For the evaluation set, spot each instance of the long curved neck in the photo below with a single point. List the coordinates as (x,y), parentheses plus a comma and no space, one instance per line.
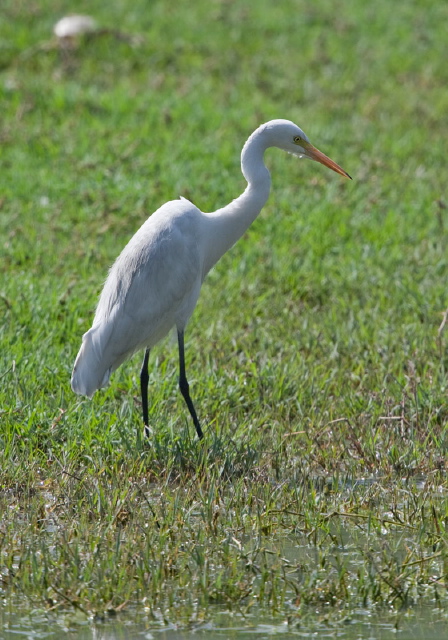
(225,226)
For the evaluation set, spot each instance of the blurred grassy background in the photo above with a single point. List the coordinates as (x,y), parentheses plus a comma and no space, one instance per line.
(345,280)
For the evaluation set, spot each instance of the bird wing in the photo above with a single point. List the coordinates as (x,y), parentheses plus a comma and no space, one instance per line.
(152,286)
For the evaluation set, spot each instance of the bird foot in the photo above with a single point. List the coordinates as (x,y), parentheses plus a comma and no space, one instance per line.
(148,432)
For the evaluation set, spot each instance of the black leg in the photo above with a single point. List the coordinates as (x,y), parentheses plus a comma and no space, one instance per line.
(144,379)
(183,384)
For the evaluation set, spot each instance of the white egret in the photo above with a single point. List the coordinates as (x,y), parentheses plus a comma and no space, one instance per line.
(74,25)
(155,282)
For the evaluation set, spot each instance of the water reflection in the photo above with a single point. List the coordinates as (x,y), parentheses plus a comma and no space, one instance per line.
(227,626)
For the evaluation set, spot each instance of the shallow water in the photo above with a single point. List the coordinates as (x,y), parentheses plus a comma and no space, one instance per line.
(37,625)
(17,621)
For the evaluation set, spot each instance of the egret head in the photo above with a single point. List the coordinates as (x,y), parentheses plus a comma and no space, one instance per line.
(288,136)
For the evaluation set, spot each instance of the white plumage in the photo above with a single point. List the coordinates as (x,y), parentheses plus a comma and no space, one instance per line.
(155,282)
(153,285)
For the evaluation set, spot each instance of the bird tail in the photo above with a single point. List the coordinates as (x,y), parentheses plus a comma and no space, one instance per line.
(90,372)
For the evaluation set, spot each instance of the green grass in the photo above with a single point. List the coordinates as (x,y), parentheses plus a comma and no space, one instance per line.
(317,356)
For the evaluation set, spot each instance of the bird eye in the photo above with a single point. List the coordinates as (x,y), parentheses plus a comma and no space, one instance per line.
(297,139)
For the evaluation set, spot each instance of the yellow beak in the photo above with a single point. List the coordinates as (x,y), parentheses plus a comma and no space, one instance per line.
(314,154)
